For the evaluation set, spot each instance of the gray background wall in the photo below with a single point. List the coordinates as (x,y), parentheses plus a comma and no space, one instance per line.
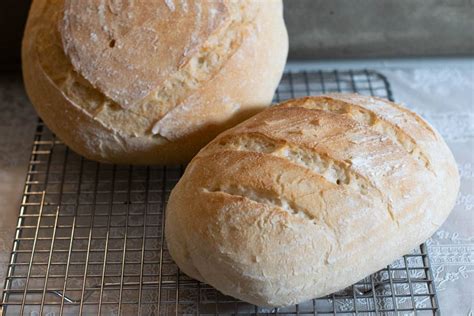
(379,28)
(331,28)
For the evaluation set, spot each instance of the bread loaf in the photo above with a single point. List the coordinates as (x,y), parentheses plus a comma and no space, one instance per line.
(149,82)
(308,197)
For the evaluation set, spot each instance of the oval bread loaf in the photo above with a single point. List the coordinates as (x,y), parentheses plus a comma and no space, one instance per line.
(308,197)
(153,81)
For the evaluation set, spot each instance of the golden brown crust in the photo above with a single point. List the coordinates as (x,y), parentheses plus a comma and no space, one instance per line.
(228,74)
(121,41)
(302,199)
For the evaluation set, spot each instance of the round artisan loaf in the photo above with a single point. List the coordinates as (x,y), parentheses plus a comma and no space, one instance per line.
(308,197)
(150,82)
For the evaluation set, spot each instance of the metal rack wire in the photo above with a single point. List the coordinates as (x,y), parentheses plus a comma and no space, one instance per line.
(90,240)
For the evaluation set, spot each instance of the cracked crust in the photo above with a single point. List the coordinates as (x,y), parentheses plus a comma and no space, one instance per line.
(215,65)
(308,197)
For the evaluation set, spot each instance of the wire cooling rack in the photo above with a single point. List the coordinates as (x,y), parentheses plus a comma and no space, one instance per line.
(90,239)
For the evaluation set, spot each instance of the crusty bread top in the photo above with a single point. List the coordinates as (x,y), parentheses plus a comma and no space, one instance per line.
(127,48)
(98,76)
(365,144)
